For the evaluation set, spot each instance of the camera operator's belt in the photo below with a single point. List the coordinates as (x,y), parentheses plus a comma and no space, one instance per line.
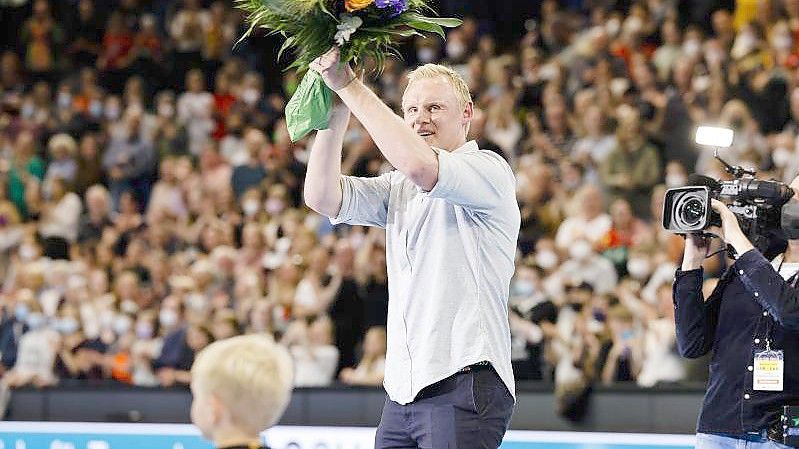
(785,428)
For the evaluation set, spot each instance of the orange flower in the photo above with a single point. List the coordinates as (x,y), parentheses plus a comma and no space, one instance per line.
(355,5)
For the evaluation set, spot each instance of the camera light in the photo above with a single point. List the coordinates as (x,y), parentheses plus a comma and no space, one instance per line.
(714,136)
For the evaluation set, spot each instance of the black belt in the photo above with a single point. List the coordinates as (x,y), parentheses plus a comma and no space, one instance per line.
(475,366)
(449,383)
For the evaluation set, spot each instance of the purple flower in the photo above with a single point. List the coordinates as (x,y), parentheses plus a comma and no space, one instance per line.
(395,6)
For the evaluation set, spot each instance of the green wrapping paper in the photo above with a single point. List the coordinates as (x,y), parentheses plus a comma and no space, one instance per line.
(309,108)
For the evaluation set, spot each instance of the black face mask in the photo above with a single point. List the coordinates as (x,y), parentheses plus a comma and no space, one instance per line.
(790,219)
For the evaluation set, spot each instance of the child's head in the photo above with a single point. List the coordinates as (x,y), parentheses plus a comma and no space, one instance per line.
(241,384)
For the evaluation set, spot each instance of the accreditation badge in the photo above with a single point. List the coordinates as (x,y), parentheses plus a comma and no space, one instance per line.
(769,371)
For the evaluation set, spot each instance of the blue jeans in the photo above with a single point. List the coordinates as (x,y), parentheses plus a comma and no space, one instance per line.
(466,410)
(711,441)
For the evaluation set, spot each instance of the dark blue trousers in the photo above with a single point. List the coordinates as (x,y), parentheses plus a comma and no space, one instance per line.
(468,410)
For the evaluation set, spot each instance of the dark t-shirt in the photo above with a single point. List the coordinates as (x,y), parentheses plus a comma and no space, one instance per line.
(347,313)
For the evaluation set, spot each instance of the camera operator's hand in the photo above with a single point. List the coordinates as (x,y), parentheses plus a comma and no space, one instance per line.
(696,246)
(730,229)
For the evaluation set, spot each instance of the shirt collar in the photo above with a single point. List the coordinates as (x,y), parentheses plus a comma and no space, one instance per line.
(470,145)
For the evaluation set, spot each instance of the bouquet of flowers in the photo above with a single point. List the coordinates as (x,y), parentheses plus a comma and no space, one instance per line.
(360,28)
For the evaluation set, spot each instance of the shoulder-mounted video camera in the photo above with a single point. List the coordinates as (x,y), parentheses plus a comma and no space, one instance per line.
(757,203)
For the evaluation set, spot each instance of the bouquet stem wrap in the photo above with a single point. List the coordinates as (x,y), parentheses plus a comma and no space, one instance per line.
(309,108)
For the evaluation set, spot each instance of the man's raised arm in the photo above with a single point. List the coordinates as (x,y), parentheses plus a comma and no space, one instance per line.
(322,191)
(402,147)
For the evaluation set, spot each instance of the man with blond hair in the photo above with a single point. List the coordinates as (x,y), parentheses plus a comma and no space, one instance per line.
(452,221)
(241,386)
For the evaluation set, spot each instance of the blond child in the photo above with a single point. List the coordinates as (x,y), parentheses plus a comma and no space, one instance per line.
(241,386)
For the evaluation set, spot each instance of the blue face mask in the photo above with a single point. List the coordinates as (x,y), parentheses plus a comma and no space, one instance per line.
(523,287)
(36,320)
(21,312)
(66,326)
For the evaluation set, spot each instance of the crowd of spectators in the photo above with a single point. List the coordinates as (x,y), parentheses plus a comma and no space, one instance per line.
(151,200)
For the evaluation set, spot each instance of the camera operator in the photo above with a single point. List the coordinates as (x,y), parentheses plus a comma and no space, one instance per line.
(751,322)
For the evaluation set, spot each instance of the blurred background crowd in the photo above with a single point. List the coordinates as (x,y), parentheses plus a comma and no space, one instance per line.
(151,203)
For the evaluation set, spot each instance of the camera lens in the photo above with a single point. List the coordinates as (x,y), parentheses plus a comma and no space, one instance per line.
(690,211)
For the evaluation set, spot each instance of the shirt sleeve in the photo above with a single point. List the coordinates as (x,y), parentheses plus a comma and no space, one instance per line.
(768,288)
(364,201)
(478,180)
(695,318)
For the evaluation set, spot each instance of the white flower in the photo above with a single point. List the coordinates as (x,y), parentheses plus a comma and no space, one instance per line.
(347,26)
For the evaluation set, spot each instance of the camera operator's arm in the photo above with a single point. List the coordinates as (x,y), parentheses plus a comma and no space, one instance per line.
(695,318)
(757,274)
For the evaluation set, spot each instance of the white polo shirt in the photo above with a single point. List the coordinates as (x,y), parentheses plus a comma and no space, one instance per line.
(450,256)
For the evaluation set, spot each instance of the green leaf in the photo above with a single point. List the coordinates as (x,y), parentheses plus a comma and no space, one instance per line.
(447,22)
(286,45)
(324,9)
(427,26)
(442,21)
(408,32)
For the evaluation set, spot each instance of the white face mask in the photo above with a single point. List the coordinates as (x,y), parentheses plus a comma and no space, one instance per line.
(455,50)
(112,112)
(700,83)
(27,110)
(250,96)
(274,206)
(196,301)
(691,48)
(144,330)
(546,259)
(633,24)
(106,319)
(580,250)
(782,42)
(714,56)
(166,110)
(426,54)
(27,252)
(638,267)
(167,317)
(675,180)
(613,26)
(744,44)
(95,108)
(523,287)
(250,207)
(128,306)
(121,324)
(64,100)
(781,156)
